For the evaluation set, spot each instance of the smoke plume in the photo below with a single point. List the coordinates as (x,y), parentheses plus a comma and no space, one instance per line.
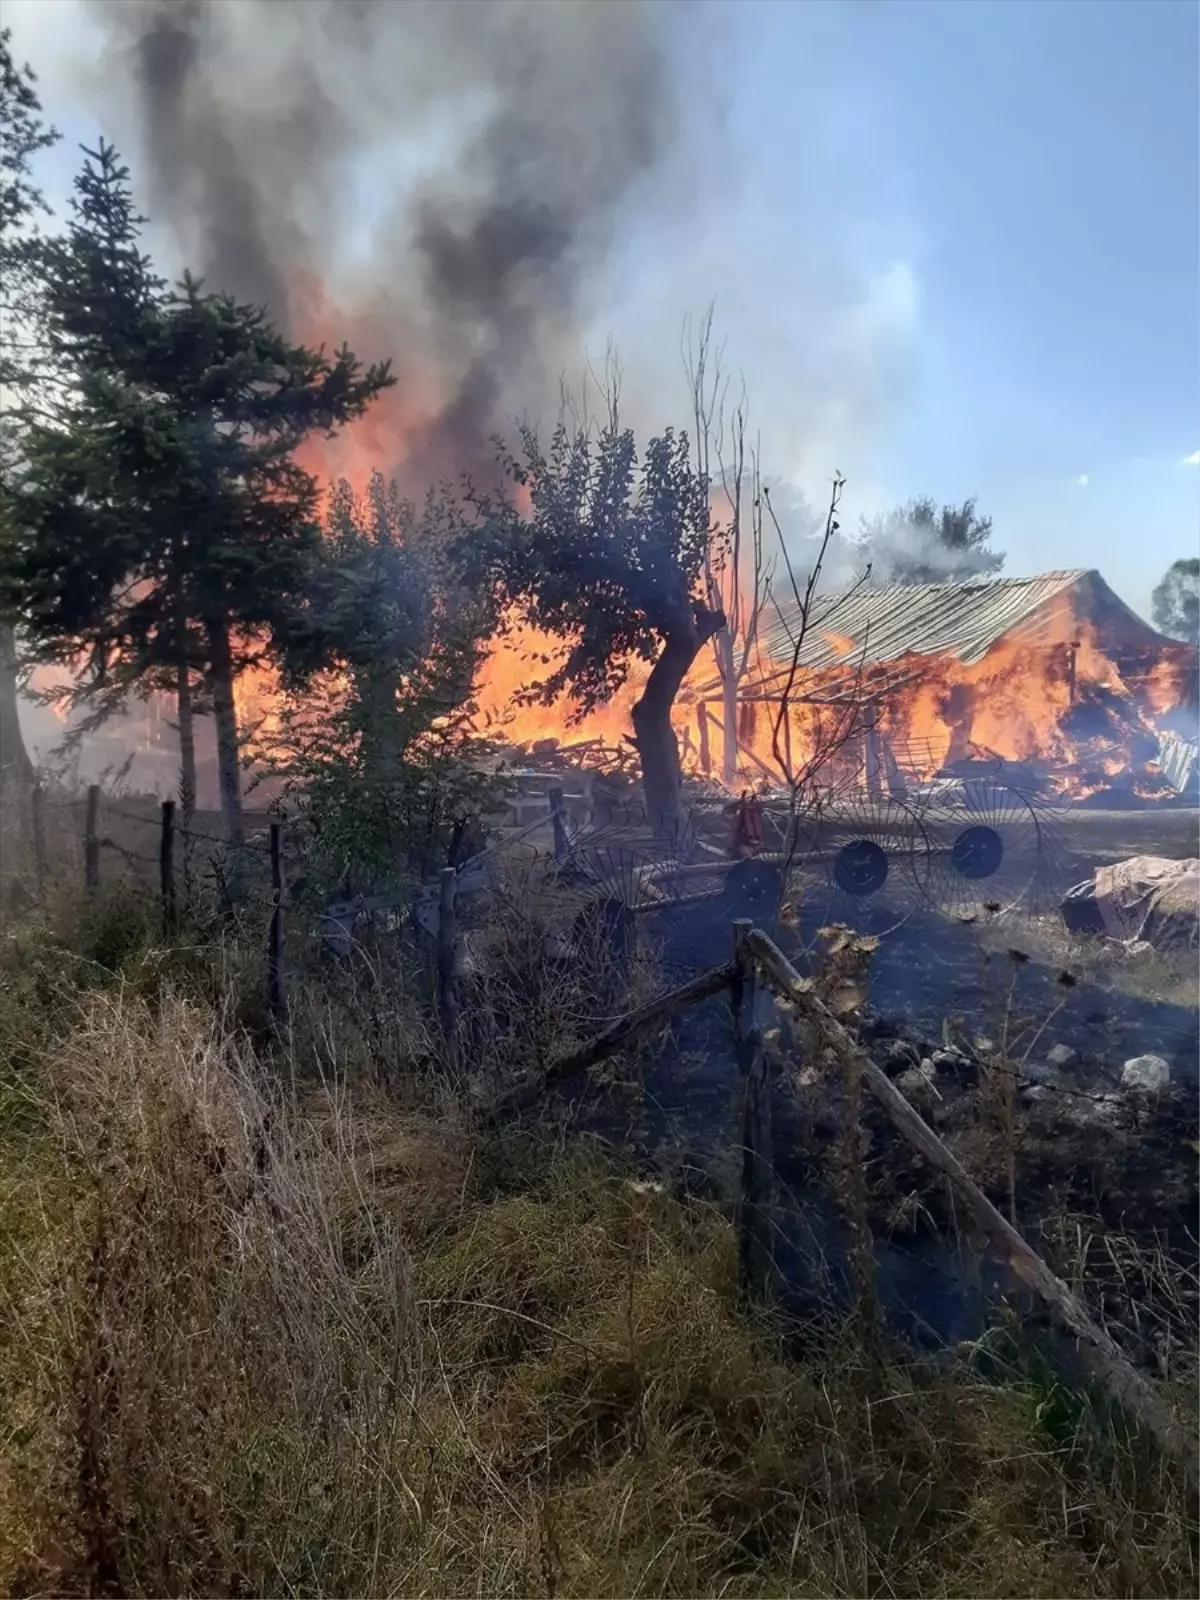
(435,182)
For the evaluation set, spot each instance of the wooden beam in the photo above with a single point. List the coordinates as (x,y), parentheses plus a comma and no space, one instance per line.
(775,777)
(1134,1391)
(618,1034)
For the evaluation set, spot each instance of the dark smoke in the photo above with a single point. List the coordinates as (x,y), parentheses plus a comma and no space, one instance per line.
(500,147)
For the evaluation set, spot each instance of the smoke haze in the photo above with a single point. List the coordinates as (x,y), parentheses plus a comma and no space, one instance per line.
(496,149)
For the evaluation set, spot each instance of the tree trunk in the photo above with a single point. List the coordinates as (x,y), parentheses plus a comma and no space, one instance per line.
(729,711)
(183,700)
(662,776)
(187,745)
(16,769)
(229,771)
(378,690)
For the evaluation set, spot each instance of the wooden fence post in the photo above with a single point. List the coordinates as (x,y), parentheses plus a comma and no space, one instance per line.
(755,1244)
(276,990)
(38,804)
(166,867)
(558,822)
(447,961)
(91,840)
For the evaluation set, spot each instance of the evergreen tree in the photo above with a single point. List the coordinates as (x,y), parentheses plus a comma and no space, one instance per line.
(22,135)
(374,737)
(164,524)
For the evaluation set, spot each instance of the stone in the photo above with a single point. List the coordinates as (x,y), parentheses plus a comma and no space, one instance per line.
(917,1085)
(948,1060)
(1043,1073)
(1149,1074)
(1062,1056)
(1035,1092)
(1152,899)
(902,1053)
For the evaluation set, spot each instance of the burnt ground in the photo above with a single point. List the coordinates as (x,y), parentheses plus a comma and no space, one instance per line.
(1128,1169)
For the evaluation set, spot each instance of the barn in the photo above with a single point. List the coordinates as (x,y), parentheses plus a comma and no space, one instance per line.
(911,681)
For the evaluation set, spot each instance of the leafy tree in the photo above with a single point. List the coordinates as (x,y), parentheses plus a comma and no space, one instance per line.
(1175,603)
(922,543)
(22,135)
(164,521)
(610,557)
(373,740)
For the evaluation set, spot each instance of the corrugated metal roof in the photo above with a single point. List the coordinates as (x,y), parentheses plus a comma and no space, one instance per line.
(873,626)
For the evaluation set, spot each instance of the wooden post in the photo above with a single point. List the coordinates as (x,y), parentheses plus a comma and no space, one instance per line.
(276,988)
(447,961)
(38,803)
(91,840)
(702,736)
(166,867)
(874,786)
(558,822)
(755,1252)
(1072,669)
(623,1031)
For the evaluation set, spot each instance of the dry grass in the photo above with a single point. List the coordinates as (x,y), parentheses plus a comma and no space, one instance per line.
(1145,974)
(269,1341)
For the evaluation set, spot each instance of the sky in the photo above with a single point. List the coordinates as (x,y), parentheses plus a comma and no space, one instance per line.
(954,249)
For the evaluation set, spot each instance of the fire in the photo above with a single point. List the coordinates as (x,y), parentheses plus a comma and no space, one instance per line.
(503,710)
(1082,713)
(841,644)
(1084,709)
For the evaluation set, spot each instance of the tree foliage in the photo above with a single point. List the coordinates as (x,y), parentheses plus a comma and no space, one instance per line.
(162,522)
(610,555)
(373,739)
(1175,603)
(923,543)
(22,135)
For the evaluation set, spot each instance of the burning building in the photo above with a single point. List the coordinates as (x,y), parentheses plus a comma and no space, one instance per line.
(905,682)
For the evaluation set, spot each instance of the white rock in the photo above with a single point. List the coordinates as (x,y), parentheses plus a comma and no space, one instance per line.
(1149,1073)
(917,1084)
(1062,1056)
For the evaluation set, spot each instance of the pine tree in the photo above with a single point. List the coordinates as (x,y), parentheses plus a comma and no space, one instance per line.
(22,136)
(163,524)
(373,737)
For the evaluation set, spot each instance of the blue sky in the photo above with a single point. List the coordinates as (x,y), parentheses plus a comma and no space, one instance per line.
(954,247)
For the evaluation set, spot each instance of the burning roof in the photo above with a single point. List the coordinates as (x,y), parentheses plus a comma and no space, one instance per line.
(874,626)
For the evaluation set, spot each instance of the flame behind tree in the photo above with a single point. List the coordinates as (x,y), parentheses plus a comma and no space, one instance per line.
(610,558)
